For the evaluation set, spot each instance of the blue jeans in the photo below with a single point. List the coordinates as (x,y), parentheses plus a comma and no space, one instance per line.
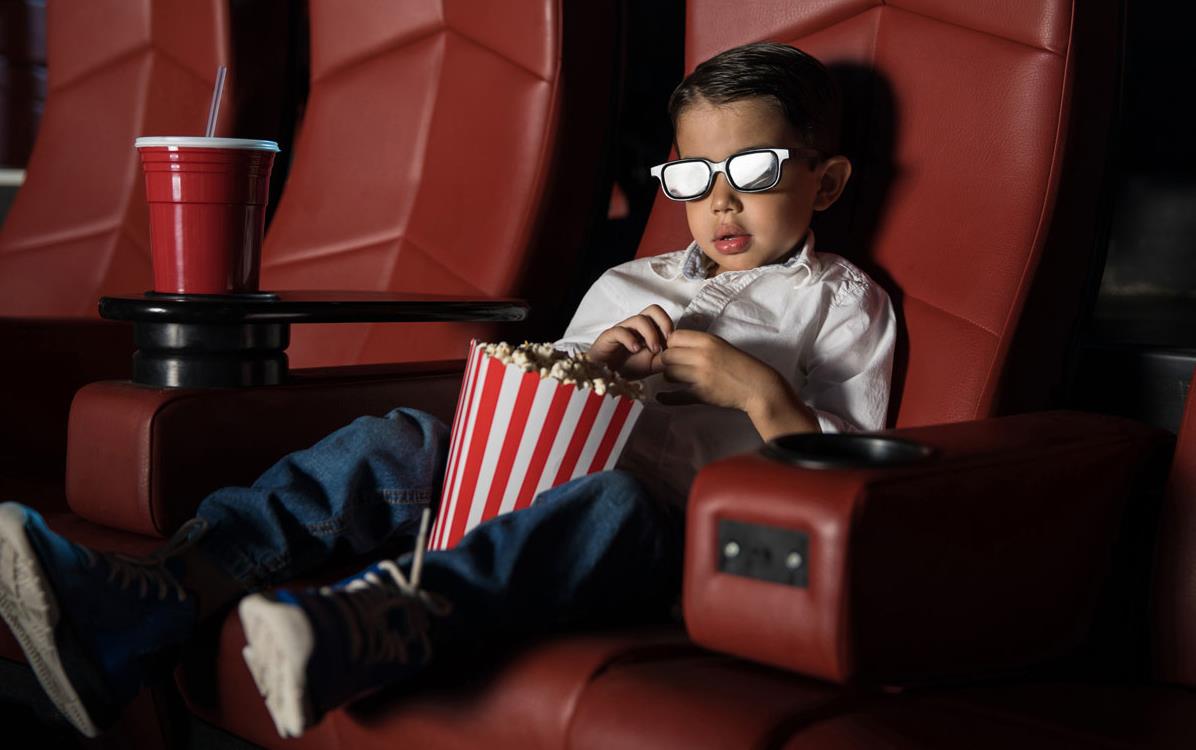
(593,548)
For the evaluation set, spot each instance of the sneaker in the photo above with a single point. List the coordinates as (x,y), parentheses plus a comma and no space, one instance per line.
(93,625)
(312,650)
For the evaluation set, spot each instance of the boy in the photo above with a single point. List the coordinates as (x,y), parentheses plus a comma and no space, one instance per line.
(745,335)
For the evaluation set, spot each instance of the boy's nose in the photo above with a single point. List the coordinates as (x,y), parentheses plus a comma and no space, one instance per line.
(723,197)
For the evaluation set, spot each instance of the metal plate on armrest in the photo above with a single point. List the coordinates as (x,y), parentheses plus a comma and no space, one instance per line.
(765,553)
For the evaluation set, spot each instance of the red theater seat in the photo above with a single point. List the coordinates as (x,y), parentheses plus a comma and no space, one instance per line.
(446,148)
(957,239)
(404,101)
(78,227)
(971,167)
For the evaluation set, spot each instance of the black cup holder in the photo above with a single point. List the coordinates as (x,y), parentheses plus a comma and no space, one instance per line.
(839,451)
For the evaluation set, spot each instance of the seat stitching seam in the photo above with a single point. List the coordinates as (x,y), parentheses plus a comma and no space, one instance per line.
(945,311)
(992,34)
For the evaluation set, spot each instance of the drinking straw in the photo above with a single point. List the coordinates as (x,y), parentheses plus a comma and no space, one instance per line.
(214,110)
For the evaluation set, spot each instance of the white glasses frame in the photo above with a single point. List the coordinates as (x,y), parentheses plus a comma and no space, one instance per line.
(782,154)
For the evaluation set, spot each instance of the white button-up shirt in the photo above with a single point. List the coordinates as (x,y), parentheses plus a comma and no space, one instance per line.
(816,319)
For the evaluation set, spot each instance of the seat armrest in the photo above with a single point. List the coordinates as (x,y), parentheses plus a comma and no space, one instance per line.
(141,458)
(987,556)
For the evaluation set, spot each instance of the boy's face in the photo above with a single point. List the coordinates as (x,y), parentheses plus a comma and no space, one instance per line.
(745,230)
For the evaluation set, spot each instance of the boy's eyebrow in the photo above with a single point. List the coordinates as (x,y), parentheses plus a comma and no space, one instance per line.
(737,151)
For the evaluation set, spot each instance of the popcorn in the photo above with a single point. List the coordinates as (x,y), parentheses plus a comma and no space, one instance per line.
(528,418)
(569,369)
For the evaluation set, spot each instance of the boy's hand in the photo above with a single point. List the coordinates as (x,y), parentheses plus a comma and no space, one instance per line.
(717,372)
(632,347)
(721,375)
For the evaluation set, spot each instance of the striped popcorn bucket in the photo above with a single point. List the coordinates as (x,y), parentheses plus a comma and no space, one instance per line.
(516,434)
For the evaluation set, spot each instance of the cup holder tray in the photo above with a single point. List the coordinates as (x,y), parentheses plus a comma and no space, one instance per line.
(845,451)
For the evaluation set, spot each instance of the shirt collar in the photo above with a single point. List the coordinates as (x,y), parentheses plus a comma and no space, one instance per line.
(693,265)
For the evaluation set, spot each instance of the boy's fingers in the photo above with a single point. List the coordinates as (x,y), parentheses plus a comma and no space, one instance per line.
(687,337)
(629,338)
(657,363)
(680,373)
(646,328)
(661,318)
(680,356)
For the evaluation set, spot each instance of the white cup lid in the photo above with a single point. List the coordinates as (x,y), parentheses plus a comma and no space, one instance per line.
(197,141)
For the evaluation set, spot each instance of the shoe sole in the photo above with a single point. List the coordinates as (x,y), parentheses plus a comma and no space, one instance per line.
(30,609)
(280,642)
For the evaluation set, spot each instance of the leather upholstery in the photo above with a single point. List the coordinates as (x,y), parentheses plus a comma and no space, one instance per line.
(141,459)
(699,702)
(542,685)
(78,227)
(1174,604)
(947,567)
(425,159)
(964,114)
(473,133)
(526,699)
(720,702)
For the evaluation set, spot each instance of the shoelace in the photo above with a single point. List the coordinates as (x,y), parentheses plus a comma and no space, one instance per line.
(369,601)
(151,569)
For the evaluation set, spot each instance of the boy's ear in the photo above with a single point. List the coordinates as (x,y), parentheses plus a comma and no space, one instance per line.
(836,171)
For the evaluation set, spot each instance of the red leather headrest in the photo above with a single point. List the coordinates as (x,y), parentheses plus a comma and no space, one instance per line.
(958,113)
(79,226)
(422,162)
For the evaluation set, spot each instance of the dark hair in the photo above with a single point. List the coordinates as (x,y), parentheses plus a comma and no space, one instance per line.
(799,86)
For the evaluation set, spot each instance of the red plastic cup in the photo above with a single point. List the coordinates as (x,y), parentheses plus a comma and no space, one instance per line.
(207,205)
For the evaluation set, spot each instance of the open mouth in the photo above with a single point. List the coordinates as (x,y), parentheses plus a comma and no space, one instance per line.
(731,240)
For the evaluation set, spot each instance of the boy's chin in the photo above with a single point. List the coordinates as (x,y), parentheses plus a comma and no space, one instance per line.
(740,262)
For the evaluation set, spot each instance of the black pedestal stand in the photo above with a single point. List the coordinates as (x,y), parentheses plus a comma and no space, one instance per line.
(237,340)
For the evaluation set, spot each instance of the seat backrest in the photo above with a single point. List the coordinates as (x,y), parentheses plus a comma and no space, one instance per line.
(956,117)
(1174,611)
(432,132)
(79,227)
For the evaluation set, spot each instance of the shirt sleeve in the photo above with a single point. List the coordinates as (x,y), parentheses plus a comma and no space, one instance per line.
(600,308)
(850,364)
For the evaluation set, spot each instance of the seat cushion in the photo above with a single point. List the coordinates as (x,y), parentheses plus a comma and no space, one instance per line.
(714,701)
(525,699)
(702,701)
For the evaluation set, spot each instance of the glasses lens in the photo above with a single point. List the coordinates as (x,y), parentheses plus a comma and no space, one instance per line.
(685,179)
(758,170)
